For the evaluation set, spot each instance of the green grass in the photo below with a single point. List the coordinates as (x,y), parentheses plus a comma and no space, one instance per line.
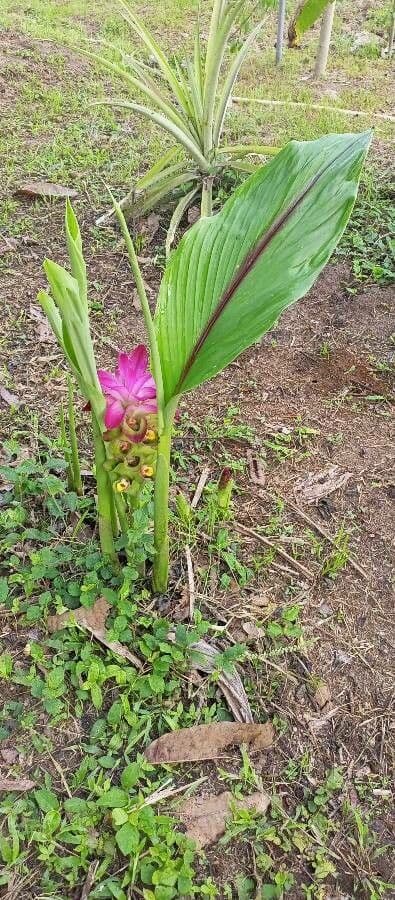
(69,699)
(94,810)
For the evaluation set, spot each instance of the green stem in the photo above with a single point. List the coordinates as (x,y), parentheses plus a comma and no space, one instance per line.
(105,497)
(206,207)
(75,458)
(161,504)
(66,447)
(121,513)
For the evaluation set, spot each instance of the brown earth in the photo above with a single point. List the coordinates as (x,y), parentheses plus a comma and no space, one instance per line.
(317,368)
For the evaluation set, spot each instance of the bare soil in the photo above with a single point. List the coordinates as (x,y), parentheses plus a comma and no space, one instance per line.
(316,368)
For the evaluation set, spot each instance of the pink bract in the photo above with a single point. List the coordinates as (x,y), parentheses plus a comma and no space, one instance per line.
(131,389)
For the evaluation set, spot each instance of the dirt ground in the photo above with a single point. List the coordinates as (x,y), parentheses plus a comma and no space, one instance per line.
(316,370)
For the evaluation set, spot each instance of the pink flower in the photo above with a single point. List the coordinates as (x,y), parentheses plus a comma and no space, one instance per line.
(131,391)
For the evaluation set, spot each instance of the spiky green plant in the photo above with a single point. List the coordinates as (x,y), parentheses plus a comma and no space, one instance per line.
(188,102)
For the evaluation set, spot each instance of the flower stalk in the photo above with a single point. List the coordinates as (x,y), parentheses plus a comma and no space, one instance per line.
(75,468)
(105,499)
(160,576)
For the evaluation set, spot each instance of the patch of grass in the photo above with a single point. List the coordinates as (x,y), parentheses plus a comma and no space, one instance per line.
(369,241)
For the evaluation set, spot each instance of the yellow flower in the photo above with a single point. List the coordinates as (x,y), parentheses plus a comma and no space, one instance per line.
(122,485)
(147,471)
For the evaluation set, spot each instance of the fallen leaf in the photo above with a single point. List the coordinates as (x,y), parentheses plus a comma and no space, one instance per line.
(10,399)
(44,332)
(322,695)
(205,817)
(259,600)
(256,469)
(208,741)
(315,723)
(44,189)
(93,619)
(315,487)
(252,631)
(204,659)
(9,756)
(16,784)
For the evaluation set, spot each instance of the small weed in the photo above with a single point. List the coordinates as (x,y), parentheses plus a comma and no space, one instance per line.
(369,241)
(291,442)
(325,350)
(338,559)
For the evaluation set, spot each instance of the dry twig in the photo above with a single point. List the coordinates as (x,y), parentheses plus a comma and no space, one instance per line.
(200,487)
(264,540)
(322,531)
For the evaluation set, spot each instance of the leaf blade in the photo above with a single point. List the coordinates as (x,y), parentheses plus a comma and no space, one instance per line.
(306,14)
(207,314)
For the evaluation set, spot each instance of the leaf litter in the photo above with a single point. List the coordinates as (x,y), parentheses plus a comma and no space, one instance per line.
(208,741)
(44,189)
(205,817)
(205,659)
(93,620)
(317,486)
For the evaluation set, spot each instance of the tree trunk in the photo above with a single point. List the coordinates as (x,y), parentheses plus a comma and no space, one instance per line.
(280,31)
(325,39)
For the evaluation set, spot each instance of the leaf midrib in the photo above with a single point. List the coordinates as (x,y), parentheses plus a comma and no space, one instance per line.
(249,262)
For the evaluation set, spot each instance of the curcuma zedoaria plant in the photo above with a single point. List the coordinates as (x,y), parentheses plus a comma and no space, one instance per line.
(224,286)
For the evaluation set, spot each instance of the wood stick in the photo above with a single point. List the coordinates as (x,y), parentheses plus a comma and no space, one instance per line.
(200,487)
(264,540)
(320,106)
(325,534)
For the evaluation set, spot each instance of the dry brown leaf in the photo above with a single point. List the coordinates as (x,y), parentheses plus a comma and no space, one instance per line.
(259,600)
(256,469)
(315,487)
(230,683)
(10,399)
(93,620)
(252,631)
(208,741)
(44,189)
(44,332)
(9,756)
(205,817)
(16,784)
(322,695)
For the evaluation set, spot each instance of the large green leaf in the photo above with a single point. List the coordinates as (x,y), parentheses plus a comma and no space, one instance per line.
(307,13)
(233,274)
